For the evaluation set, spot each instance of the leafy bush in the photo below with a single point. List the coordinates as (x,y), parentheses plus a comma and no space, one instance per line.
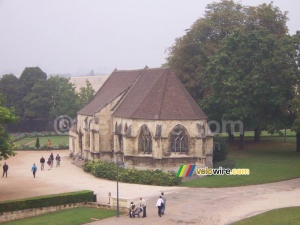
(46,201)
(150,177)
(220,149)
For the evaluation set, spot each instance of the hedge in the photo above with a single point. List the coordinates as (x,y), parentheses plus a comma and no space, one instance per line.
(46,201)
(149,177)
(44,147)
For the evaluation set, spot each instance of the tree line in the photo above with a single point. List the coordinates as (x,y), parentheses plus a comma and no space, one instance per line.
(35,96)
(240,63)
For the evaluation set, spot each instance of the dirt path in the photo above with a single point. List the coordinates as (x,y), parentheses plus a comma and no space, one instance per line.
(29,143)
(215,206)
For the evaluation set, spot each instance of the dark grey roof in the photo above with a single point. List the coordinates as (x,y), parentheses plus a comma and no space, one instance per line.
(152,94)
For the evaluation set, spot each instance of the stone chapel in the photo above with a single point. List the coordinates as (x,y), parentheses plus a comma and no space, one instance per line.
(144,119)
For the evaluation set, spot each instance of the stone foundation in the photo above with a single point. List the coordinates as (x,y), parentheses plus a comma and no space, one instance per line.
(168,163)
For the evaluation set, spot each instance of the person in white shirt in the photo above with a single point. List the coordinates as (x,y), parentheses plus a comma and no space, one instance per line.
(159,205)
(143,205)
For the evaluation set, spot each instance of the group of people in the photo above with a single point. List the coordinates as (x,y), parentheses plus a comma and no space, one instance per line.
(161,204)
(136,210)
(34,167)
(50,161)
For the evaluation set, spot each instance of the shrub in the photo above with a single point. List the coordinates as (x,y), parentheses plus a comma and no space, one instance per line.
(150,177)
(37,143)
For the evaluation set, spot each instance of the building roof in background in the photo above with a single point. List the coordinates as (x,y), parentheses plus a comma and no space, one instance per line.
(96,81)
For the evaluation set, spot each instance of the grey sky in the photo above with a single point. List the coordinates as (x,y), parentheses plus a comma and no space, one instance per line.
(76,36)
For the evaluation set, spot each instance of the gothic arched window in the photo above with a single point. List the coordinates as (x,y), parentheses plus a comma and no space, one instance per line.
(145,141)
(179,140)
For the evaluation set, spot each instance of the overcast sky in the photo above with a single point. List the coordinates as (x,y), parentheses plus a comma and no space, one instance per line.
(77,36)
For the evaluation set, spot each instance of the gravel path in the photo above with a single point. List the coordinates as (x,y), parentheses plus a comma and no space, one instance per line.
(215,206)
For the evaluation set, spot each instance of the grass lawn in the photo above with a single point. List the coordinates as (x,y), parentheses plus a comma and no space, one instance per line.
(55,141)
(74,216)
(288,133)
(269,160)
(284,216)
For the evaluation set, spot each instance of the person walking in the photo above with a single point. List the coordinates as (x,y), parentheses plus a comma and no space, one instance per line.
(163,210)
(48,145)
(34,169)
(49,163)
(57,158)
(159,205)
(143,205)
(42,161)
(52,159)
(5,169)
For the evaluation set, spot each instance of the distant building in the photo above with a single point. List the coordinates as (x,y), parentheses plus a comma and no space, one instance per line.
(148,118)
(96,81)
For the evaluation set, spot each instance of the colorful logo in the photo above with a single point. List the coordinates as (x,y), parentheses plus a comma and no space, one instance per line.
(185,170)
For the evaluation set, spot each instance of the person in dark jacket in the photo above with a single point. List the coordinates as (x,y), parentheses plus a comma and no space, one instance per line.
(5,169)
(42,161)
(52,159)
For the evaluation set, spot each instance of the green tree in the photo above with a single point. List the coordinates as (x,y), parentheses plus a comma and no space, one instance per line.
(252,78)
(190,55)
(29,77)
(38,102)
(64,97)
(296,101)
(51,98)
(10,88)
(86,94)
(6,116)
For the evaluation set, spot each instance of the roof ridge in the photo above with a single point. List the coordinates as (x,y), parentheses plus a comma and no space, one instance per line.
(115,71)
(149,90)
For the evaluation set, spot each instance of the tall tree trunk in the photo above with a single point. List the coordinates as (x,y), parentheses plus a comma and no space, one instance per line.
(298,142)
(256,134)
(241,142)
(46,124)
(230,136)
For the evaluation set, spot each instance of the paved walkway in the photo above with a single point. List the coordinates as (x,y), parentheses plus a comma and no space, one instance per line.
(216,206)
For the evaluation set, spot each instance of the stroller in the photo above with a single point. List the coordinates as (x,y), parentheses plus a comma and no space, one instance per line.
(134,211)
